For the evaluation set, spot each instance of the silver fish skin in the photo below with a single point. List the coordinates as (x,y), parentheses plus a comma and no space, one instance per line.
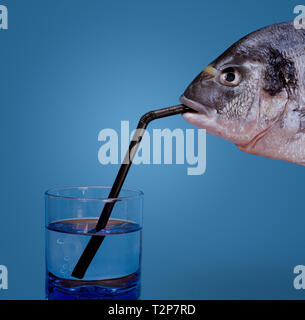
(254,94)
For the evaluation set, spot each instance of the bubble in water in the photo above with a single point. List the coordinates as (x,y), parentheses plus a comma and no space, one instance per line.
(64,268)
(63,271)
(60,241)
(66,258)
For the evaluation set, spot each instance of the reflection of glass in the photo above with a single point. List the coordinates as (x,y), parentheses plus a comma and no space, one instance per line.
(71,216)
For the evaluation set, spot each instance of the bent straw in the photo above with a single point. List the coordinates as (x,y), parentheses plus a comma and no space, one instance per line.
(95,241)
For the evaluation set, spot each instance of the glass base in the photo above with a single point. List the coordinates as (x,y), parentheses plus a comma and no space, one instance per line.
(126,288)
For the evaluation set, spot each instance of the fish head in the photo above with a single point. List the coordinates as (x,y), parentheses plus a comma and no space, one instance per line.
(243,93)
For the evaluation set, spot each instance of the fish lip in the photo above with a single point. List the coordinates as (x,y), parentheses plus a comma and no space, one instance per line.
(200,108)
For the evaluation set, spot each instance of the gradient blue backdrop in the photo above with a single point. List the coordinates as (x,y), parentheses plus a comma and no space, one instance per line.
(73,67)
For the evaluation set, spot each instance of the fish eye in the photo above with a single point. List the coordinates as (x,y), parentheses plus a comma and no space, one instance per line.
(230,77)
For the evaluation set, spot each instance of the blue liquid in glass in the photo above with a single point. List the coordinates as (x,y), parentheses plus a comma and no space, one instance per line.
(113,274)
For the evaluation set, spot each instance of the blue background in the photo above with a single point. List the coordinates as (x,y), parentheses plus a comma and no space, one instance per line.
(71,68)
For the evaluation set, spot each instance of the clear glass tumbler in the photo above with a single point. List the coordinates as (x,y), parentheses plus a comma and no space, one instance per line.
(71,217)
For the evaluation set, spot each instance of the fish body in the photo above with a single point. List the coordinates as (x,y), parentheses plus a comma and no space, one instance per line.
(254,94)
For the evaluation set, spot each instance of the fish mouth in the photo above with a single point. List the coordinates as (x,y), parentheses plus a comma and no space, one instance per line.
(200,108)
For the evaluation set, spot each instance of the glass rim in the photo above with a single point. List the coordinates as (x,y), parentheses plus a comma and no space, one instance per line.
(50,193)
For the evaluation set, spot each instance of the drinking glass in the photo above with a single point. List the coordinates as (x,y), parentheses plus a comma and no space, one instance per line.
(71,217)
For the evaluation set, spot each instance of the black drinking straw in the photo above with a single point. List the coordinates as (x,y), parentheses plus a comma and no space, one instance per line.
(95,241)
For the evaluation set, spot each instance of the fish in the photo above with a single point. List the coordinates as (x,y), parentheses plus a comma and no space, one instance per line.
(254,94)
